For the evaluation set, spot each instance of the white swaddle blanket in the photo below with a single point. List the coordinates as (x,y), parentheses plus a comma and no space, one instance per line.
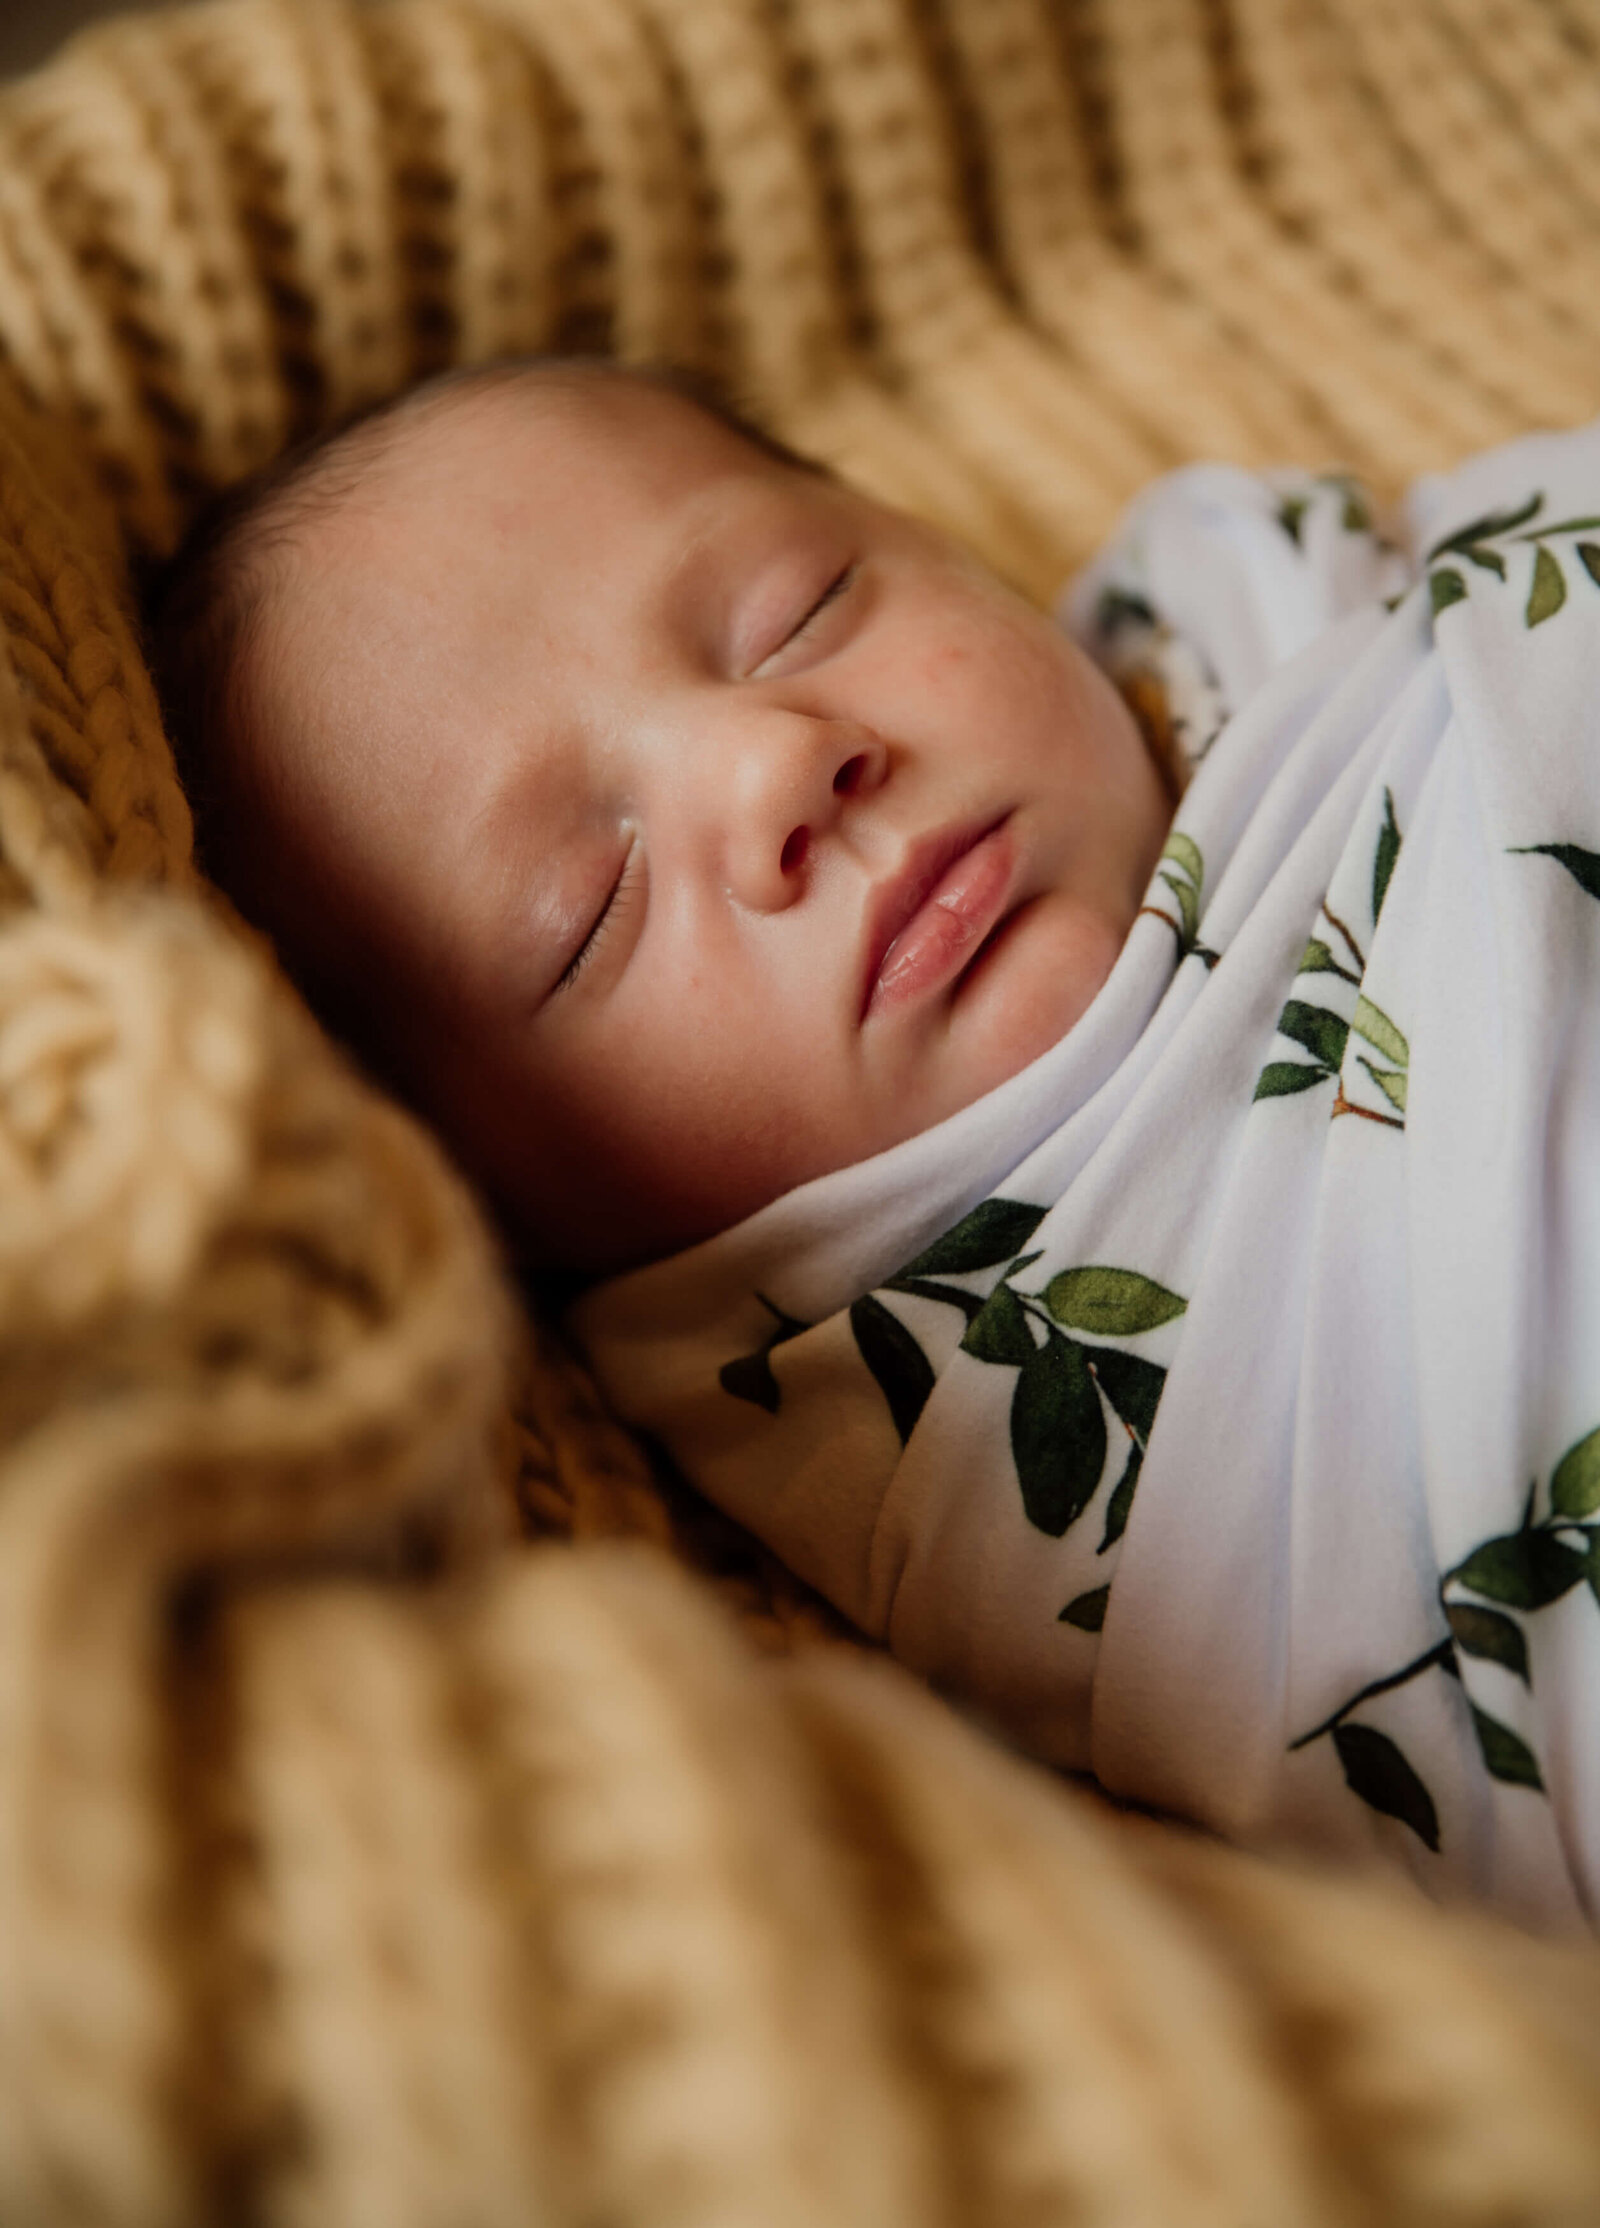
(1297,1231)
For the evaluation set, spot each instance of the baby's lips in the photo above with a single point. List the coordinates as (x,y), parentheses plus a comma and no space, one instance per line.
(962,898)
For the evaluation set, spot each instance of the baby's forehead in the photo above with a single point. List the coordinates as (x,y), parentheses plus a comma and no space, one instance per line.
(563,435)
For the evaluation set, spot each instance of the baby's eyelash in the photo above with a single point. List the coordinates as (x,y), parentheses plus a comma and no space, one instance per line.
(835,588)
(620,896)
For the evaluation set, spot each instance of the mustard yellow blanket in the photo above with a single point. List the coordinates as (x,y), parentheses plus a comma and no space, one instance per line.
(363,1859)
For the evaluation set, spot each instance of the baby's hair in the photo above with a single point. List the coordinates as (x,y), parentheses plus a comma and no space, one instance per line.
(204,607)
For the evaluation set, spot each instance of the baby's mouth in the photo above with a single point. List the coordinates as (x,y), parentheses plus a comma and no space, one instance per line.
(928,921)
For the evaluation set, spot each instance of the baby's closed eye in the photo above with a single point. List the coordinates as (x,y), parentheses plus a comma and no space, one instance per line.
(623,894)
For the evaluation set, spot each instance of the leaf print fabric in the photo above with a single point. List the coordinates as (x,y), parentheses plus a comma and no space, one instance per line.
(1216,1405)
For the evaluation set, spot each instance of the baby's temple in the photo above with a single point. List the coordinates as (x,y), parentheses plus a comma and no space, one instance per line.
(800,1114)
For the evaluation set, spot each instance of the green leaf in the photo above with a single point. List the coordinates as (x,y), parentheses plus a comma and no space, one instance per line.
(1184,852)
(1492,522)
(1445,588)
(1391,1082)
(1087,1611)
(1549,590)
(948,1295)
(1115,1303)
(1280,1079)
(1373,1023)
(750,1377)
(1322,1032)
(1355,518)
(1132,1385)
(1491,1634)
(1291,511)
(1375,1769)
(1120,1505)
(1188,903)
(1559,526)
(1589,558)
(1583,866)
(1384,856)
(992,1233)
(1000,1332)
(1575,1480)
(1506,1754)
(1487,560)
(903,1371)
(1525,1570)
(1120,607)
(1316,959)
(1058,1434)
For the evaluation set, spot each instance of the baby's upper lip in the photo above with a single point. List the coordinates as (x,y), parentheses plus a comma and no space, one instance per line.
(897,900)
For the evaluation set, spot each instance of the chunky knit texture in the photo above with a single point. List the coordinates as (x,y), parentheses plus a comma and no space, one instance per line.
(371,1855)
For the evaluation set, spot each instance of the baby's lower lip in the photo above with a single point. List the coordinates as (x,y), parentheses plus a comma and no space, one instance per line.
(949,925)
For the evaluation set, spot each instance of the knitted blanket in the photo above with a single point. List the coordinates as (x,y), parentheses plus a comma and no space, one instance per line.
(367,1852)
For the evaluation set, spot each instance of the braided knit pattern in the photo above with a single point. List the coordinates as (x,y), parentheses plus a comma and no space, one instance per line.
(416,1810)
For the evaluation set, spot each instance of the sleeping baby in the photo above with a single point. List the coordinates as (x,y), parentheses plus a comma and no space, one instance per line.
(1144,1268)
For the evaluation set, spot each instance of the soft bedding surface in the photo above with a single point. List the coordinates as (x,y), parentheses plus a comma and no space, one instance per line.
(368,1851)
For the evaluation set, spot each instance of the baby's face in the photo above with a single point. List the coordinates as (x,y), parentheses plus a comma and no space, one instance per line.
(704,825)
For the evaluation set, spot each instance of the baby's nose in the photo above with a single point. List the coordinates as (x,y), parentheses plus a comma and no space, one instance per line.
(848,779)
(793,790)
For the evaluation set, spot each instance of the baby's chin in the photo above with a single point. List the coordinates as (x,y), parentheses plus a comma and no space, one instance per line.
(1018,1000)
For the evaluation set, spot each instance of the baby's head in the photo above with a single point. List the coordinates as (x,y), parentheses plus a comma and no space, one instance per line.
(672,823)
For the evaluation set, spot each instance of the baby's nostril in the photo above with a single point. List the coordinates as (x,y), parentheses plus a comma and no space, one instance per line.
(848,779)
(793,853)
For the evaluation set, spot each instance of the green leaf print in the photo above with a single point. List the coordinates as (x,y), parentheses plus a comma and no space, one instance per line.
(1058,1420)
(1383,859)
(1391,1082)
(1486,560)
(1131,1384)
(1549,590)
(1506,1754)
(1120,1506)
(1291,515)
(1058,1434)
(1524,1570)
(1188,905)
(750,1376)
(1183,873)
(1575,1480)
(1281,1079)
(992,1233)
(902,1370)
(1121,607)
(1377,1771)
(1445,587)
(999,1331)
(1087,1611)
(1583,866)
(1492,522)
(1185,852)
(1317,959)
(1589,558)
(1373,1023)
(1489,1634)
(1113,1303)
(929,1288)
(1322,1032)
